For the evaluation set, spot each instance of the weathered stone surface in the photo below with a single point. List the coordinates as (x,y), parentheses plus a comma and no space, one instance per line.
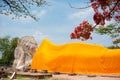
(3,72)
(24,52)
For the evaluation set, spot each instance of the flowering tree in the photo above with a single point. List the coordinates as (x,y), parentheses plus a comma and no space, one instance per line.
(104,10)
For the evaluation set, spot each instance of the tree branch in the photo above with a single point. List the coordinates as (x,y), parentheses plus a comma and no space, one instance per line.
(10,6)
(80,7)
(27,12)
(113,7)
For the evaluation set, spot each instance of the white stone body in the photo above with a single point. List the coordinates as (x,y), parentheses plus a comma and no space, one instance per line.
(24,52)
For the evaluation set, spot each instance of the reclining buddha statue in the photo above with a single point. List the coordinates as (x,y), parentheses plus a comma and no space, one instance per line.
(76,57)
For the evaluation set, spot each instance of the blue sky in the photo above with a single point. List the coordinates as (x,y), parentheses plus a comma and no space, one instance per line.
(56,23)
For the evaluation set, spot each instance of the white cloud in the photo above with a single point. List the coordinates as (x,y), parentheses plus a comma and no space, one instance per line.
(39,36)
(27,19)
(35,13)
(39,14)
(82,13)
(23,19)
(16,19)
(109,22)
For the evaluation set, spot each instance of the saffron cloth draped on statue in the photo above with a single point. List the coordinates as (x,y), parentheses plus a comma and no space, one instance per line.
(76,57)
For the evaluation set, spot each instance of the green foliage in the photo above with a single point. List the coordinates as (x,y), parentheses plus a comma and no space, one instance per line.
(7,47)
(114,47)
(20,7)
(113,30)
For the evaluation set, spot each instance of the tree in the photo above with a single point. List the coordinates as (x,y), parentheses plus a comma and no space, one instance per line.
(20,7)
(104,10)
(113,30)
(7,47)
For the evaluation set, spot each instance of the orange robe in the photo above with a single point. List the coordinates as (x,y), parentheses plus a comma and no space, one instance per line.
(77,57)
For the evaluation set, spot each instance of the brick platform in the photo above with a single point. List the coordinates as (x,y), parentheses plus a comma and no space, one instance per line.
(33,75)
